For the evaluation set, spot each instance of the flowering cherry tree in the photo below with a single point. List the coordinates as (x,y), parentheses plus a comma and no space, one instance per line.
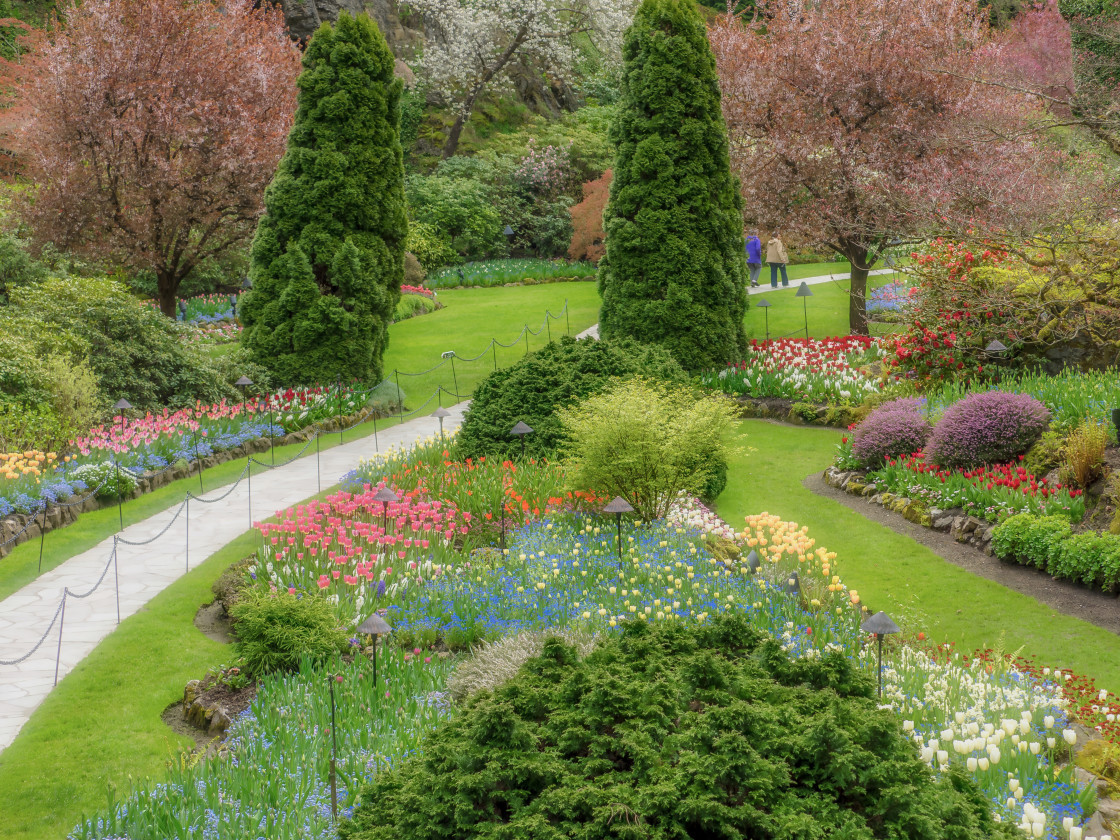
(153,127)
(473,45)
(853,122)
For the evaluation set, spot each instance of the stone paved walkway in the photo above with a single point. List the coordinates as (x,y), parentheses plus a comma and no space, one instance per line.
(144,571)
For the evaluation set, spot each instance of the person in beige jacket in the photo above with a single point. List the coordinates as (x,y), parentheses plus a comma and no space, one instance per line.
(777,257)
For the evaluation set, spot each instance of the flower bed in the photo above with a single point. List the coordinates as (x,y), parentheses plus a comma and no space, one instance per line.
(502,272)
(990,492)
(831,370)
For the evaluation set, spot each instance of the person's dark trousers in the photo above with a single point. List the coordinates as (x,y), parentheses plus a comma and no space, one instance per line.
(774,274)
(754,269)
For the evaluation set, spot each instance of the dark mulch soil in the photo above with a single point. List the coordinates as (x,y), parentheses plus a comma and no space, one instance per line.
(1062,596)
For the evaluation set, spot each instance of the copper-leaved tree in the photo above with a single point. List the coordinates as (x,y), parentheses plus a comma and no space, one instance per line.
(153,128)
(853,122)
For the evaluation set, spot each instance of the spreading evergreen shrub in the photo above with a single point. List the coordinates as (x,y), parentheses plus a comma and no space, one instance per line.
(669,732)
(987,427)
(328,256)
(892,429)
(275,630)
(557,375)
(1031,540)
(674,271)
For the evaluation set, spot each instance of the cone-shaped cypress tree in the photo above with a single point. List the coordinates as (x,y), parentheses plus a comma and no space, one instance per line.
(328,256)
(674,273)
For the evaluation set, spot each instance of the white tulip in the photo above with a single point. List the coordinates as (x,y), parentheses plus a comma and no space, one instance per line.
(971,763)
(1070,736)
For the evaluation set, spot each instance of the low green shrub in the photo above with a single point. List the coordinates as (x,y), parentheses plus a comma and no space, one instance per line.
(275,629)
(1090,558)
(35,427)
(1030,540)
(646,442)
(462,212)
(430,247)
(1046,454)
(667,731)
(557,375)
(1048,543)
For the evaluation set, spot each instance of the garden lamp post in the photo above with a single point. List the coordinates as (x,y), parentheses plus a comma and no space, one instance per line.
(374,626)
(881,625)
(996,350)
(805,293)
(618,506)
(753,563)
(793,585)
(120,406)
(331,680)
(439,414)
(243,383)
(233,304)
(385,495)
(509,237)
(1116,422)
(765,305)
(520,431)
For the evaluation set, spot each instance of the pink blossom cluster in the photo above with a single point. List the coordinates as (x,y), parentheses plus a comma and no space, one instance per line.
(545,171)
(406,289)
(349,541)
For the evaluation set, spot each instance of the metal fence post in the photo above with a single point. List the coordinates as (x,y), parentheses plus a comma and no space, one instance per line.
(61,621)
(116,579)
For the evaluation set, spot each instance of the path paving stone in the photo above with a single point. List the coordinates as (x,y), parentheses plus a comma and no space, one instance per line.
(148,569)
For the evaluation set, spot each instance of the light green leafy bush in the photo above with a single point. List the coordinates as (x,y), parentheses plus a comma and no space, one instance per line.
(275,630)
(646,442)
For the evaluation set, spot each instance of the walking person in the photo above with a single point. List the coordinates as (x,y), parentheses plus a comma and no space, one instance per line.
(753,247)
(777,257)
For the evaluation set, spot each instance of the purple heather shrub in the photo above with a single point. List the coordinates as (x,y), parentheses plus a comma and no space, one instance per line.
(989,427)
(894,428)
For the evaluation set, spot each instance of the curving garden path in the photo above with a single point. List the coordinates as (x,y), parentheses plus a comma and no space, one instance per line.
(145,568)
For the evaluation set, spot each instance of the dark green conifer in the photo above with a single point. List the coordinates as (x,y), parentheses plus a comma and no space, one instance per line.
(328,256)
(674,272)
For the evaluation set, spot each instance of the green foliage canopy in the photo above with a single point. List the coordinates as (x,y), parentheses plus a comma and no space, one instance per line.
(670,732)
(674,269)
(328,256)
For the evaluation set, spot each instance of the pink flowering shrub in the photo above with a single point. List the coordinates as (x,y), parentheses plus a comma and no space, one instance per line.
(894,428)
(989,427)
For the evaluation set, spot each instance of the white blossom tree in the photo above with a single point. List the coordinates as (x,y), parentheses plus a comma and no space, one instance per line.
(475,43)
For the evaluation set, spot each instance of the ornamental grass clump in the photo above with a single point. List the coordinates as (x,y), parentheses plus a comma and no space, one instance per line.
(670,731)
(894,428)
(990,427)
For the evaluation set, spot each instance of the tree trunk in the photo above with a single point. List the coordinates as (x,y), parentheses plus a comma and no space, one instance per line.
(857,296)
(167,284)
(452,144)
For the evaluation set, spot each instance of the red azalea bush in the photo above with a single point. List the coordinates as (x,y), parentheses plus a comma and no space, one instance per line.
(988,427)
(894,428)
(950,325)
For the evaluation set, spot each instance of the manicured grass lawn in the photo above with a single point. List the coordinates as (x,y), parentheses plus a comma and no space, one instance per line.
(827,308)
(101,727)
(917,588)
(469,319)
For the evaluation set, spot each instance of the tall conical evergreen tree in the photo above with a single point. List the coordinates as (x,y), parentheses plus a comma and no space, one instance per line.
(674,272)
(328,256)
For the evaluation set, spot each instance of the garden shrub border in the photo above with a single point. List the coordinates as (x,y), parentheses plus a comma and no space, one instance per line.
(1058,561)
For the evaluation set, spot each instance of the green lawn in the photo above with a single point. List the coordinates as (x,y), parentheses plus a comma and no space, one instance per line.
(827,309)
(101,726)
(469,319)
(917,588)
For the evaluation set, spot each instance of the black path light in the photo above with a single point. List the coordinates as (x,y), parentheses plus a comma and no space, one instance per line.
(385,496)
(1116,422)
(753,563)
(765,305)
(996,350)
(121,405)
(243,383)
(374,626)
(509,236)
(520,431)
(439,414)
(618,506)
(881,625)
(804,292)
(793,585)
(331,680)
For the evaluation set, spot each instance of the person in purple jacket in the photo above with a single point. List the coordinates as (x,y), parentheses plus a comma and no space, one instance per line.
(754,255)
